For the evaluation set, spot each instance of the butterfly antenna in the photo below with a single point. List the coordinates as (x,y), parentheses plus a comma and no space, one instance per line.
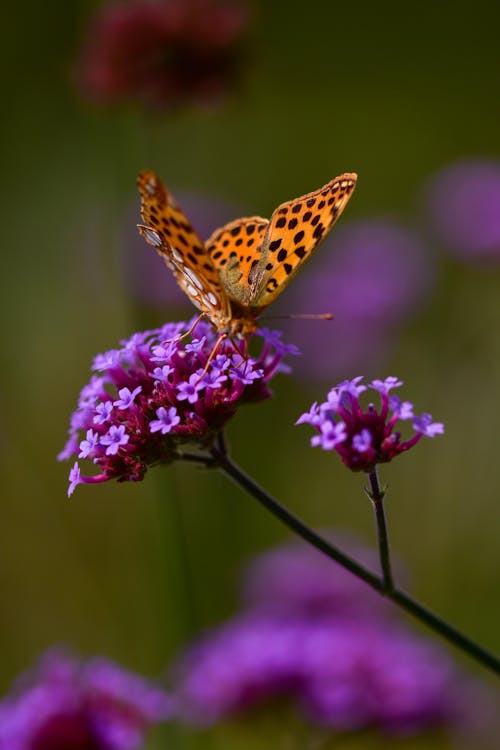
(302,316)
(186,333)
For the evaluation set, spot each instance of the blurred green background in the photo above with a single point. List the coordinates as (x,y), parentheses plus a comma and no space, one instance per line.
(134,571)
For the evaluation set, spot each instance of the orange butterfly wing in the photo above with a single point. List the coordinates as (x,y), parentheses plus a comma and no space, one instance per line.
(235,250)
(295,230)
(171,234)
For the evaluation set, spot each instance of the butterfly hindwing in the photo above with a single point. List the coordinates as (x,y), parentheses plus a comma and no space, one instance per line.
(171,234)
(294,232)
(235,251)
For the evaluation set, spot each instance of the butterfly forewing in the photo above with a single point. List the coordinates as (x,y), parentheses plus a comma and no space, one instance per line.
(171,234)
(235,251)
(294,232)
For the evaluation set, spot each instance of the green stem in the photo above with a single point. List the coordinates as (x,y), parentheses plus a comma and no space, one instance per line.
(377,495)
(403,600)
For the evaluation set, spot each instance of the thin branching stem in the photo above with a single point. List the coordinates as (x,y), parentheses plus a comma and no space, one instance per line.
(225,464)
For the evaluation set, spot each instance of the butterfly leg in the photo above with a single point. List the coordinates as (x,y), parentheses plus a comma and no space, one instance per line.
(186,333)
(212,354)
(243,353)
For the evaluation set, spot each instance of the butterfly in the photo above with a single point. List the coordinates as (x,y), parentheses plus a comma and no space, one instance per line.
(241,269)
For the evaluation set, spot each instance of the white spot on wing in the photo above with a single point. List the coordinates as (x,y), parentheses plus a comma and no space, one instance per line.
(177,256)
(212,299)
(193,278)
(152,236)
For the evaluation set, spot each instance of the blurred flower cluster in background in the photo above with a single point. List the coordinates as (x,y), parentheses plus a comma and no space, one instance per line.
(163,53)
(307,633)
(239,105)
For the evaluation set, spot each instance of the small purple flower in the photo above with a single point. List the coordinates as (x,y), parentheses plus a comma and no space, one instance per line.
(313,416)
(214,378)
(463,204)
(245,371)
(427,427)
(196,345)
(167,419)
(154,395)
(74,478)
(103,412)
(362,442)
(67,705)
(89,444)
(162,373)
(385,386)
(364,437)
(189,391)
(330,435)
(127,397)
(114,439)
(403,409)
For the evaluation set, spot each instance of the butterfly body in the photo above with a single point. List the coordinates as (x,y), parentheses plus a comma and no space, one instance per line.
(247,263)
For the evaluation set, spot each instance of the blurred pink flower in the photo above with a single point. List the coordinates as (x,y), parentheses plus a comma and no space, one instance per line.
(162,53)
(64,704)
(462,202)
(311,633)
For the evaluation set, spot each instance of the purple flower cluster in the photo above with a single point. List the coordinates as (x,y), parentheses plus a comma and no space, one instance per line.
(342,665)
(158,391)
(67,705)
(366,437)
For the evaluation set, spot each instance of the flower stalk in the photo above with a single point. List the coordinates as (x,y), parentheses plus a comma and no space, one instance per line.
(377,496)
(384,586)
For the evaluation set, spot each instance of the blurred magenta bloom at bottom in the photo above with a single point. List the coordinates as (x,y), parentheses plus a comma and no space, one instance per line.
(463,205)
(341,673)
(373,275)
(312,633)
(64,704)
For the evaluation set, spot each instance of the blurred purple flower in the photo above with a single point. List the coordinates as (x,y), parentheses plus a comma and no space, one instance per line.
(296,579)
(372,275)
(340,673)
(366,437)
(67,705)
(463,205)
(163,53)
(145,275)
(171,391)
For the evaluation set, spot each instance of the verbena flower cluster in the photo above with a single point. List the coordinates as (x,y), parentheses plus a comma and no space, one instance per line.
(342,665)
(157,392)
(364,437)
(163,53)
(67,705)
